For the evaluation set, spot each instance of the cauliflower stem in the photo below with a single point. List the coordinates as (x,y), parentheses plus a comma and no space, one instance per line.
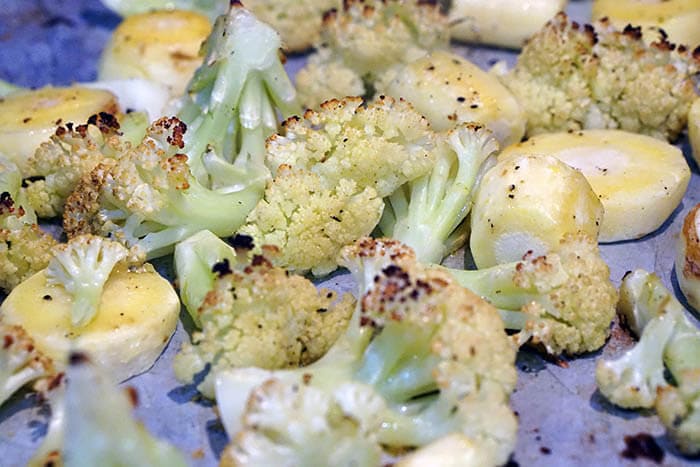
(231,104)
(89,430)
(194,260)
(427,213)
(563,301)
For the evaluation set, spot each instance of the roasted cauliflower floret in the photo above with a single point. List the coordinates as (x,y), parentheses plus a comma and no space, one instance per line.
(309,220)
(24,248)
(422,359)
(20,361)
(572,77)
(563,301)
(365,37)
(332,169)
(262,316)
(73,151)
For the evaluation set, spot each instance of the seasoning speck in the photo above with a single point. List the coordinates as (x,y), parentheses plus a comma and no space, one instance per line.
(642,446)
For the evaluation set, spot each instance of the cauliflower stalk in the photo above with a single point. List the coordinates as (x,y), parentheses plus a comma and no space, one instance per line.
(421,359)
(195,259)
(259,315)
(89,430)
(331,170)
(20,361)
(563,301)
(428,213)
(231,104)
(362,39)
(667,339)
(573,77)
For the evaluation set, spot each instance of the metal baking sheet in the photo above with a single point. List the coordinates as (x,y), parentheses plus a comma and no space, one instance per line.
(563,419)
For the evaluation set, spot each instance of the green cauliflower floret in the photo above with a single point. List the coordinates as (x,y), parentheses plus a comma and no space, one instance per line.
(563,301)
(261,316)
(332,169)
(25,249)
(82,267)
(57,166)
(667,339)
(281,420)
(231,105)
(430,359)
(91,423)
(428,213)
(149,199)
(367,37)
(20,361)
(573,77)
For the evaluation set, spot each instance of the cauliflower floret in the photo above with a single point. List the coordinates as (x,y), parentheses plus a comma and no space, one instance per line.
(366,37)
(297,21)
(343,426)
(310,221)
(563,301)
(668,340)
(148,198)
(72,152)
(24,248)
(82,267)
(572,77)
(435,354)
(23,252)
(331,170)
(382,145)
(371,35)
(92,423)
(324,78)
(262,316)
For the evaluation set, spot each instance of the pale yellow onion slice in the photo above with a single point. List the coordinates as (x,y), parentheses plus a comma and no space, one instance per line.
(29,117)
(688,258)
(448,89)
(137,315)
(680,19)
(529,203)
(507,23)
(639,179)
(160,46)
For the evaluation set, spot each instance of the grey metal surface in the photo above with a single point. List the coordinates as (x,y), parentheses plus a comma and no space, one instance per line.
(563,420)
